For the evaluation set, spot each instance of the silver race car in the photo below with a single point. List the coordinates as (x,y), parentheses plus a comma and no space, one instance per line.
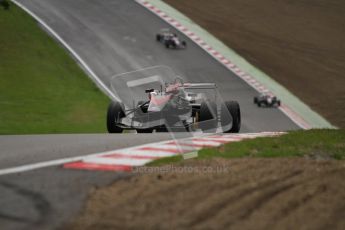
(170,40)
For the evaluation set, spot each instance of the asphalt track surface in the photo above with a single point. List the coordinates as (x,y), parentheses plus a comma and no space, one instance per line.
(46,198)
(115,37)
(112,37)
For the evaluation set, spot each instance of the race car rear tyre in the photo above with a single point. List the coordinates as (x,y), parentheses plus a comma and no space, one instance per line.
(231,108)
(158,37)
(255,100)
(208,119)
(114,114)
(184,43)
(278,103)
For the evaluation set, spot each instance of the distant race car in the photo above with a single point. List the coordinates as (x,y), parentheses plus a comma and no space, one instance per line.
(177,107)
(170,40)
(266,101)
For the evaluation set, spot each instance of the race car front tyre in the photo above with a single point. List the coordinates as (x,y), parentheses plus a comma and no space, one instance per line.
(208,117)
(158,37)
(114,114)
(184,43)
(231,108)
(255,100)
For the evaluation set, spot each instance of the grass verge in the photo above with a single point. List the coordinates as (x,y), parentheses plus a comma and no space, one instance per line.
(42,89)
(316,144)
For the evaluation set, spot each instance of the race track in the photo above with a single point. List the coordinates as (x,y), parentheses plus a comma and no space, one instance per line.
(115,37)
(112,37)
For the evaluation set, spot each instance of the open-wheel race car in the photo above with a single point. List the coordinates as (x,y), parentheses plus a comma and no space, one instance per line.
(175,106)
(265,100)
(170,40)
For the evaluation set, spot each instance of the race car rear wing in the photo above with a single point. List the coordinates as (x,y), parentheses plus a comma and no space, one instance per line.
(199,85)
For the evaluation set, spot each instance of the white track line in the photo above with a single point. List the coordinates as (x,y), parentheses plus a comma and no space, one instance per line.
(117,161)
(39,165)
(206,142)
(139,156)
(145,153)
(175,147)
(132,152)
(45,164)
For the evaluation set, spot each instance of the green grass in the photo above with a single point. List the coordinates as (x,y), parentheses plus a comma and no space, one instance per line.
(323,143)
(42,89)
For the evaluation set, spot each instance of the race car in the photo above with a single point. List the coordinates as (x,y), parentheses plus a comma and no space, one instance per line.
(175,108)
(170,40)
(266,101)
